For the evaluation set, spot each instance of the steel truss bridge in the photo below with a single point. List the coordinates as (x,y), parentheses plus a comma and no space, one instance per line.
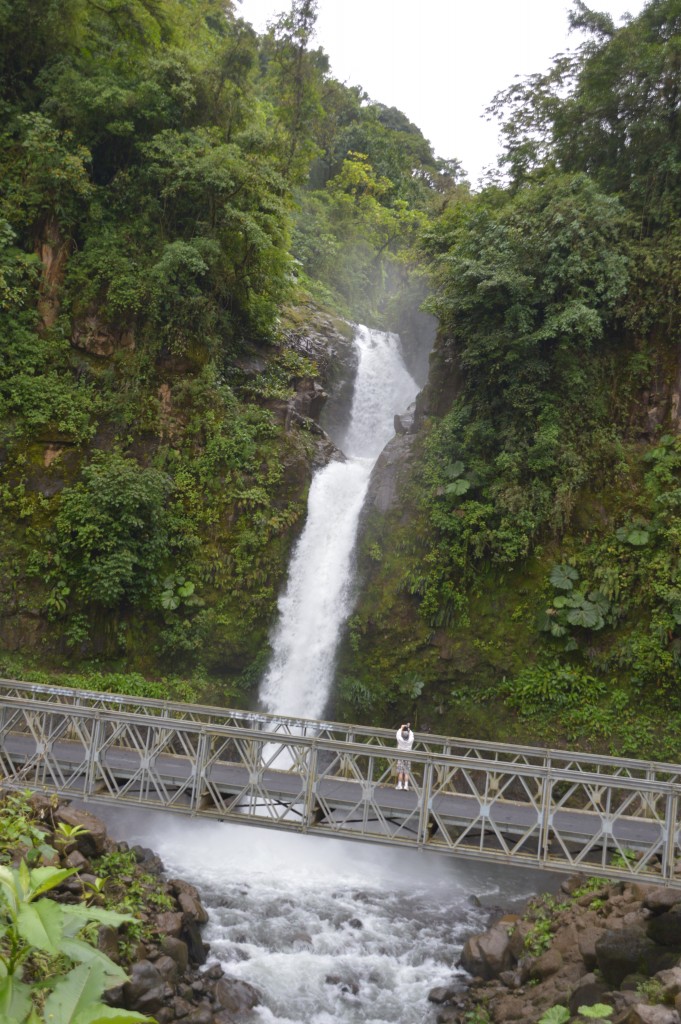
(551,809)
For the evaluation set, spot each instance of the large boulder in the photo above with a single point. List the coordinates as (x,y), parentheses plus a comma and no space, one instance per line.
(661,898)
(665,929)
(545,965)
(147,990)
(488,954)
(91,842)
(588,991)
(642,1013)
(623,952)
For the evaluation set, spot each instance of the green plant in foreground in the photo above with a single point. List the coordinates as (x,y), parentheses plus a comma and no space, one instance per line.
(19,829)
(65,835)
(652,990)
(599,1011)
(538,939)
(555,1015)
(48,974)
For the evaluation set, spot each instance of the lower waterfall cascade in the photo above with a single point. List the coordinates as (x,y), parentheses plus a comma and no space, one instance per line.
(328,931)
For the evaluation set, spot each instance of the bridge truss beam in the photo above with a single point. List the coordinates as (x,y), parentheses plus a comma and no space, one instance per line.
(555,810)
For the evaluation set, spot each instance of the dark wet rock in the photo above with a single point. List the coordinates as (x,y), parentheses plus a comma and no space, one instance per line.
(235,995)
(443,994)
(203,1014)
(623,952)
(151,861)
(588,991)
(192,906)
(384,486)
(214,972)
(167,968)
(146,991)
(665,928)
(176,949)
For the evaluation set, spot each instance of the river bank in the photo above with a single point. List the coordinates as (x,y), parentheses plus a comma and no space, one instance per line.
(595,950)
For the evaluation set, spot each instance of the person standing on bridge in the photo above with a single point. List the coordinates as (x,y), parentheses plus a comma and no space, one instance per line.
(405,741)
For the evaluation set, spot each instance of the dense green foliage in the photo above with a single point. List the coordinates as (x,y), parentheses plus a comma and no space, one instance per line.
(50,968)
(170,181)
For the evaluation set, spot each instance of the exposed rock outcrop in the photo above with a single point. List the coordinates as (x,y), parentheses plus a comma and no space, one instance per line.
(97,338)
(616,945)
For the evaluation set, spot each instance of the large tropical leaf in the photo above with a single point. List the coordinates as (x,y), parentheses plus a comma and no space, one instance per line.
(587,615)
(555,1015)
(458,487)
(84,953)
(109,1015)
(454,469)
(43,879)
(563,576)
(77,914)
(75,993)
(40,924)
(15,999)
(598,598)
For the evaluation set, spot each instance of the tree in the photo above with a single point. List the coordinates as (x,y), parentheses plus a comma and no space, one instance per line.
(296,77)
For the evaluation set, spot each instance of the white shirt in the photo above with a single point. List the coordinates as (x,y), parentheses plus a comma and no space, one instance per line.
(403,744)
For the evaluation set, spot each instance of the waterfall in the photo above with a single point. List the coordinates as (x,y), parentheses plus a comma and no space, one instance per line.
(318,595)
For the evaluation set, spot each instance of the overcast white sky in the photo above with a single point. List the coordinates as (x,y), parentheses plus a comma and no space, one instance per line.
(441,61)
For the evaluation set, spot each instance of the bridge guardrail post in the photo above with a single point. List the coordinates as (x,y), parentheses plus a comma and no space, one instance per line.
(424,814)
(546,802)
(671,816)
(310,800)
(202,748)
(93,757)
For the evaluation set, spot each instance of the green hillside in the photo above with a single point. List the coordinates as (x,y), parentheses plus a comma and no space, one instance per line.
(190,213)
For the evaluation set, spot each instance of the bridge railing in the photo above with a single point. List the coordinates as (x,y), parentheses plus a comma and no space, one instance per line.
(385,738)
(545,808)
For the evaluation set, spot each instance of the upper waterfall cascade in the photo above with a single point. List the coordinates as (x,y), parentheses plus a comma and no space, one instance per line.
(318,596)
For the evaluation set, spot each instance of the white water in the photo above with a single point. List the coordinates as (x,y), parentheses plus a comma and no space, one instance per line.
(318,596)
(326,930)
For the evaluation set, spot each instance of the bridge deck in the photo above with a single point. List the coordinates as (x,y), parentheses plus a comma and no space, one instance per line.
(552,809)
